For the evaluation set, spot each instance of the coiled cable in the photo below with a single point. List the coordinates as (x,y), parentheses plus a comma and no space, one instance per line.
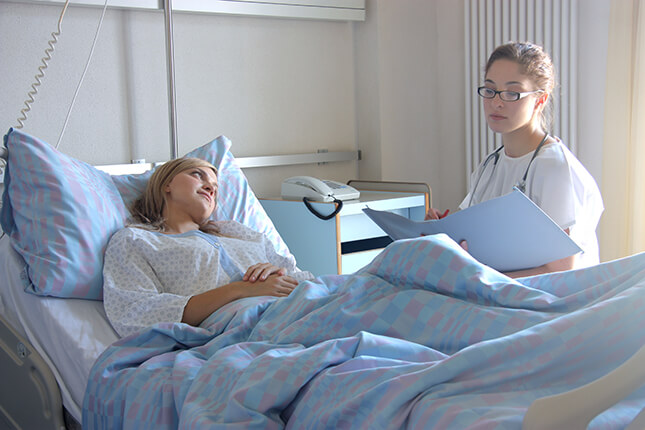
(31,95)
(41,72)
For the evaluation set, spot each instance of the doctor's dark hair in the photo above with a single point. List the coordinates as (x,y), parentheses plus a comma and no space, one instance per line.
(535,63)
(148,209)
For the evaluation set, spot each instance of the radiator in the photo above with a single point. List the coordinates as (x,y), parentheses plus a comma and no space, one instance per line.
(489,23)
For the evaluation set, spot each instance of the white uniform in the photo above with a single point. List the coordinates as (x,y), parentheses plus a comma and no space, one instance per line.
(150,276)
(557,182)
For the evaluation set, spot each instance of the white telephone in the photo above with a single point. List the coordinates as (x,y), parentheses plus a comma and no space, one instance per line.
(322,190)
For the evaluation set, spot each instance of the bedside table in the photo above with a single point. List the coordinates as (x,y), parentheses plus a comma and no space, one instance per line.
(346,242)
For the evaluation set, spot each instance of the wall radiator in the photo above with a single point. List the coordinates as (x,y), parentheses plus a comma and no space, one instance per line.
(549,23)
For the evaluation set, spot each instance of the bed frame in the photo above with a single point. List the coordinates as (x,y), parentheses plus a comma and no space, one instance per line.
(29,394)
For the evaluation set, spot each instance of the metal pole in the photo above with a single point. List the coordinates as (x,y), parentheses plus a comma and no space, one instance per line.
(170,60)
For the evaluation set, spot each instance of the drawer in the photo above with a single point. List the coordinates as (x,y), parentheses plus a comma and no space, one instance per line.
(360,226)
(350,263)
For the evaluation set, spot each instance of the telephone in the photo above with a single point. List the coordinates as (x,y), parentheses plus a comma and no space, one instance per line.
(321,190)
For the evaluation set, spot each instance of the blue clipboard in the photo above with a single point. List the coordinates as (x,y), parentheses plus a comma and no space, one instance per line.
(507,233)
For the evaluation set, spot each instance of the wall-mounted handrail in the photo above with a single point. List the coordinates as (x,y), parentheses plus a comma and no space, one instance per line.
(291,159)
(250,162)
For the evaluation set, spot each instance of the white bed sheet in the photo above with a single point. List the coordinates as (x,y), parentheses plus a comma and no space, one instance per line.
(68,333)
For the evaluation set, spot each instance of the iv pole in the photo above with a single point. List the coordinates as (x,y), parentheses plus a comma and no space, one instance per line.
(170,61)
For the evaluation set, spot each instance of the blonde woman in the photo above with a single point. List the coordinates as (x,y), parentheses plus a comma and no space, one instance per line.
(176,265)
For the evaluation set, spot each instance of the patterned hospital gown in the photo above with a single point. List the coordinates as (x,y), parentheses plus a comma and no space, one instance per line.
(150,276)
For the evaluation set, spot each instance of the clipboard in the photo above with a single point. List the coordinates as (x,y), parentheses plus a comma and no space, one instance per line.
(506,233)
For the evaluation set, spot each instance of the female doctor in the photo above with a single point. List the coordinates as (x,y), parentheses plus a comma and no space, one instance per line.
(519,79)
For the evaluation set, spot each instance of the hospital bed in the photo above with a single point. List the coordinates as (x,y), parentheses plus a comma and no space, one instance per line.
(436,350)
(458,347)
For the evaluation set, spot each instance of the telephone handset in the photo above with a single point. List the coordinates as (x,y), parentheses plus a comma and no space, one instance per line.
(322,190)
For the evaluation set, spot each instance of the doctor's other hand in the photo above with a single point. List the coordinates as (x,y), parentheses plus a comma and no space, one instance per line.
(435,214)
(464,245)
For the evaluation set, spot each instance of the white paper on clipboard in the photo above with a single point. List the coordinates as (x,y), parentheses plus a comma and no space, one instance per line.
(507,233)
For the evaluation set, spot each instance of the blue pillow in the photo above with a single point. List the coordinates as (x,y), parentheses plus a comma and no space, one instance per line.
(59,213)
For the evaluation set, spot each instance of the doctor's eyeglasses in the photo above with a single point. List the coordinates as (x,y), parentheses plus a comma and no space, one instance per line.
(507,96)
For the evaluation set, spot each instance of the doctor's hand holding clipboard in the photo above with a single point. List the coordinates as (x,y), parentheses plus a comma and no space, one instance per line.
(516,94)
(435,214)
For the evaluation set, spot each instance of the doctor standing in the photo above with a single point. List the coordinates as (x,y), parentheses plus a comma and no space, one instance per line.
(518,82)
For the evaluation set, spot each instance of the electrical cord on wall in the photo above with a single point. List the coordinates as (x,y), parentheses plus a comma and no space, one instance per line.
(31,95)
(45,62)
(80,82)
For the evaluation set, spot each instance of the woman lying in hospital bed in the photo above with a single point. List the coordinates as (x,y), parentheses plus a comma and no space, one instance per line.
(177,265)
(423,336)
(57,216)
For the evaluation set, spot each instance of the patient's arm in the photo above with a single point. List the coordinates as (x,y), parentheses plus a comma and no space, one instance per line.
(202,305)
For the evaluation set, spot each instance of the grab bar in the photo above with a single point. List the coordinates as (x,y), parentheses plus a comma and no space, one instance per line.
(249,162)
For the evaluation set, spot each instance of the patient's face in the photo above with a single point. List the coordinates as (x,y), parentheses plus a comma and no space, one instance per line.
(192,195)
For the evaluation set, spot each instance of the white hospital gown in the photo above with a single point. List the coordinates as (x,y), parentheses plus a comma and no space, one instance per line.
(148,277)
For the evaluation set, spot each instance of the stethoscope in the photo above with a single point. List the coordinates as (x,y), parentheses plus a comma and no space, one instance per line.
(521,185)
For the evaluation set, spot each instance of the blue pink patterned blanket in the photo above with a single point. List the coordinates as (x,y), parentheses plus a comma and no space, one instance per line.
(422,337)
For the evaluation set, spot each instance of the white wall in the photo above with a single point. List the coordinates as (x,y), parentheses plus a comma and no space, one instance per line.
(413,114)
(392,86)
(273,86)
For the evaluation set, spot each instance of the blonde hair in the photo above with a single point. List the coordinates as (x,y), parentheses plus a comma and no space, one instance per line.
(535,63)
(149,207)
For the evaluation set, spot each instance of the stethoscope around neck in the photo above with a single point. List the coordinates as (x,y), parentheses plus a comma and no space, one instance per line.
(521,185)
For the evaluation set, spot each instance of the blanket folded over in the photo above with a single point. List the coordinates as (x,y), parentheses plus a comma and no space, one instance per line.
(422,337)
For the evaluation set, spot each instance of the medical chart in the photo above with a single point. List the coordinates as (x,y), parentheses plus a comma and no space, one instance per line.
(507,233)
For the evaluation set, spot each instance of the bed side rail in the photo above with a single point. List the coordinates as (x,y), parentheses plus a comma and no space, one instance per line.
(29,395)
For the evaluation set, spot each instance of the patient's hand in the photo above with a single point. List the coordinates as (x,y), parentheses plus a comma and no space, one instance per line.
(275,285)
(261,271)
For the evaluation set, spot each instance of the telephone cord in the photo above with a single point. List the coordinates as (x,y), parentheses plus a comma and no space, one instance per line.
(31,95)
(45,62)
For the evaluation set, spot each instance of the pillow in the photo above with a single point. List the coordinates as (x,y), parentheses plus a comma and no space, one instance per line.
(59,213)
(236,200)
